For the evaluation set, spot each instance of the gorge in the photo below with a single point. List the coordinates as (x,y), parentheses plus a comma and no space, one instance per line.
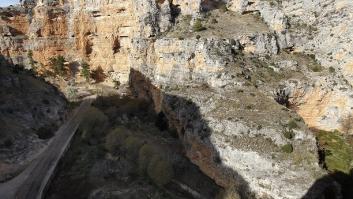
(196,99)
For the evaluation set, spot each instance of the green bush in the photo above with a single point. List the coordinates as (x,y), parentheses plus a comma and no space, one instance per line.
(58,65)
(338,153)
(198,26)
(93,123)
(85,71)
(288,148)
(146,152)
(132,146)
(316,68)
(160,171)
(289,134)
(31,60)
(292,124)
(116,138)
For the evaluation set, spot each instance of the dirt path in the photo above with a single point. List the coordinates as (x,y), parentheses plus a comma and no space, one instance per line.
(31,183)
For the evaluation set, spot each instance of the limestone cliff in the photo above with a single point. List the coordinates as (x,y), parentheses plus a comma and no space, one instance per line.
(212,67)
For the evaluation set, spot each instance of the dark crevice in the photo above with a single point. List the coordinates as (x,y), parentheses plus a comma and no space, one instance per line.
(162,122)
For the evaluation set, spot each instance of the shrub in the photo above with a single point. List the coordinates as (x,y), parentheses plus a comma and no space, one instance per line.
(338,154)
(316,68)
(85,71)
(58,65)
(93,123)
(98,75)
(289,134)
(282,97)
(292,124)
(160,171)
(71,92)
(31,60)
(116,138)
(146,152)
(288,148)
(332,69)
(198,26)
(132,146)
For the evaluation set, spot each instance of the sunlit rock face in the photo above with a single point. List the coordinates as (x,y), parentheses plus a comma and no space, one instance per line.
(323,29)
(98,32)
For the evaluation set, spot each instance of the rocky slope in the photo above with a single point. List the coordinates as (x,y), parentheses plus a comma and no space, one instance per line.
(30,112)
(212,68)
(321,29)
(101,32)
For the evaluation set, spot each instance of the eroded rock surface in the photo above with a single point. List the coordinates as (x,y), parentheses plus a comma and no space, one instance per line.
(30,112)
(213,68)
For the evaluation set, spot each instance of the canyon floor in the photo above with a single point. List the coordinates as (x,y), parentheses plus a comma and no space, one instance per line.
(109,157)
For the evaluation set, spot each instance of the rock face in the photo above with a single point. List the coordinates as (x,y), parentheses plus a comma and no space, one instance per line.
(98,32)
(320,28)
(30,110)
(212,68)
(229,142)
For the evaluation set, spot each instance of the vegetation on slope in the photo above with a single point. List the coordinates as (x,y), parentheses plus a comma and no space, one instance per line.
(338,154)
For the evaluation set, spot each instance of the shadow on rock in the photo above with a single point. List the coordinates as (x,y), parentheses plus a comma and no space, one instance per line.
(193,131)
(337,185)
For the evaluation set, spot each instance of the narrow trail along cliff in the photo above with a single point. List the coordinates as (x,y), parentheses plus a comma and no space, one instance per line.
(196,99)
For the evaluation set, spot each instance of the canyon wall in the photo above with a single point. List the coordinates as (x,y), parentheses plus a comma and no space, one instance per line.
(216,86)
(323,30)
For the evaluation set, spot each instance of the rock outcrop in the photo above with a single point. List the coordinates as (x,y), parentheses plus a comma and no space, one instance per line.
(229,141)
(30,112)
(322,29)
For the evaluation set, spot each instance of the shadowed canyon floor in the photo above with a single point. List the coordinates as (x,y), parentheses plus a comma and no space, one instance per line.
(111,157)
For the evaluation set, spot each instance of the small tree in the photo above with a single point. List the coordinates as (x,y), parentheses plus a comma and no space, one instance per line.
(72,92)
(98,75)
(31,60)
(160,170)
(58,65)
(282,97)
(198,26)
(85,71)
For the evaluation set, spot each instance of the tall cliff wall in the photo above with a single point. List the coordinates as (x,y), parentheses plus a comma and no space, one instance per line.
(229,68)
